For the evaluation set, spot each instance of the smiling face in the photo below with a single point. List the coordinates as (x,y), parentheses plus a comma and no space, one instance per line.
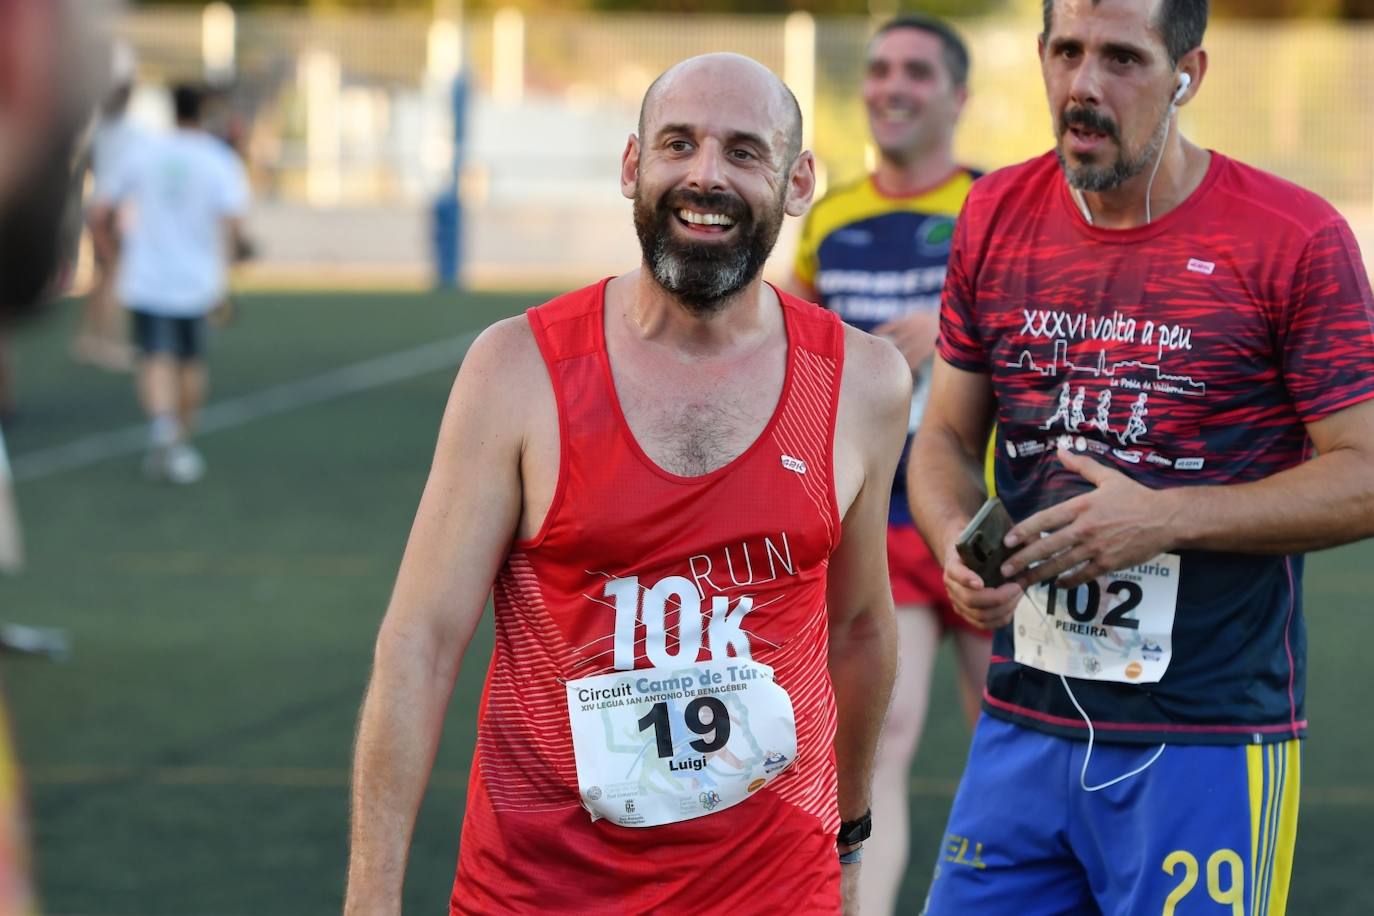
(910,95)
(711,176)
(1109,82)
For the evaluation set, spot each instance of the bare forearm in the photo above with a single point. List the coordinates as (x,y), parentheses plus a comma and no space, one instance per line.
(945,486)
(103,237)
(1321,503)
(863,663)
(398,734)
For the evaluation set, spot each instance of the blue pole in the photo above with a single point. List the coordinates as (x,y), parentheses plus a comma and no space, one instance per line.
(448,207)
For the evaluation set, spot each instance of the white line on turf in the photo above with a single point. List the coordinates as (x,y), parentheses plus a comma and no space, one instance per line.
(328,386)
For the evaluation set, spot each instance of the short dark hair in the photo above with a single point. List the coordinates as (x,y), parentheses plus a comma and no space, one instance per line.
(1181,24)
(956,52)
(186,102)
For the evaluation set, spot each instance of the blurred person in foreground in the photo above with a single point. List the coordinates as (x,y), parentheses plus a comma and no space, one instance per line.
(874,252)
(181,199)
(50,51)
(677,481)
(100,336)
(1176,348)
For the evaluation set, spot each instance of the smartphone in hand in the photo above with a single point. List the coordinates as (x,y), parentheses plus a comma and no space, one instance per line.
(980,546)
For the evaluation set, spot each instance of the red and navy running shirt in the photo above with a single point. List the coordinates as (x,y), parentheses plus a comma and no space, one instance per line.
(1192,350)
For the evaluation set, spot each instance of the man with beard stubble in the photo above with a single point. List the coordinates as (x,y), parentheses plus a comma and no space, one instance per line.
(1176,348)
(675,484)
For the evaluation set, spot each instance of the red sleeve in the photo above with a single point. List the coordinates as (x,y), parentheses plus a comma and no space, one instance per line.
(1326,334)
(959,343)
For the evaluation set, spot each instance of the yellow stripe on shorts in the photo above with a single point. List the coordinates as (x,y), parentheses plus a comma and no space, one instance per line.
(1273,772)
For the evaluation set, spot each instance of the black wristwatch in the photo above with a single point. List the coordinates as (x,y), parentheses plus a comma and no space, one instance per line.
(854,832)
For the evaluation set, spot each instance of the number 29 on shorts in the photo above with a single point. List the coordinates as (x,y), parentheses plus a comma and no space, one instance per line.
(1225,879)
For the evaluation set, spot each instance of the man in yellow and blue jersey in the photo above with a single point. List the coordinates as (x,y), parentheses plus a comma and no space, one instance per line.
(874,251)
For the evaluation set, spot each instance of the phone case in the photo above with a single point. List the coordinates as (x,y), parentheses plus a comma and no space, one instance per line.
(980,546)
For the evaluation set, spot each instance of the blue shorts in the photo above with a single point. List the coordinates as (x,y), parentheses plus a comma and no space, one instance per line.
(1202,830)
(183,338)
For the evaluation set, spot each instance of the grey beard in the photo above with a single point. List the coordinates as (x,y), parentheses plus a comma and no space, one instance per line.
(701,285)
(704,276)
(1110,177)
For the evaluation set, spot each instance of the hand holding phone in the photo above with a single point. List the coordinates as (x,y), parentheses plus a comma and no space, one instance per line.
(980,545)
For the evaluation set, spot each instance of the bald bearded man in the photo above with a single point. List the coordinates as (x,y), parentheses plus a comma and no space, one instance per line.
(677,482)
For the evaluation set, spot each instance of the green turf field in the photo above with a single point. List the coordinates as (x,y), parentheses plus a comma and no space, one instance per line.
(192,756)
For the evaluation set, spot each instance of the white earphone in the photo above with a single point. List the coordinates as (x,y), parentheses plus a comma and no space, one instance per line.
(1184,81)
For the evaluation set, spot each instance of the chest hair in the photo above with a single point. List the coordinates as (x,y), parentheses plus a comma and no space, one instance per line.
(695,433)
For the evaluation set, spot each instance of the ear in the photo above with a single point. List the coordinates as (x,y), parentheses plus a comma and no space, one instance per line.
(960,100)
(801,184)
(1040,46)
(1194,63)
(629,167)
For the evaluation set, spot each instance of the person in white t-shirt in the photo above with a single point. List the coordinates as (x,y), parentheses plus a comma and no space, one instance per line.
(180,198)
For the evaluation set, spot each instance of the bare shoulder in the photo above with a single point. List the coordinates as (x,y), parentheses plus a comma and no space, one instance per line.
(502,382)
(876,385)
(505,351)
(502,415)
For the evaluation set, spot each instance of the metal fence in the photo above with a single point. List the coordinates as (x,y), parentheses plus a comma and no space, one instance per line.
(352,110)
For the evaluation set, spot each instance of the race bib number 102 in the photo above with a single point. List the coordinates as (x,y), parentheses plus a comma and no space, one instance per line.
(667,744)
(1117,627)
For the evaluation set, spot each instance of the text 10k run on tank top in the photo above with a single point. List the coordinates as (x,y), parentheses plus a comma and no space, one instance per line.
(678,626)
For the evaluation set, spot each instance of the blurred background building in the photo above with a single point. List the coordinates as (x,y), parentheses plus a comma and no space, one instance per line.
(346,114)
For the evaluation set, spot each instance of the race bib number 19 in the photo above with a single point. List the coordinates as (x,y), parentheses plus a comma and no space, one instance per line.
(661,745)
(1117,627)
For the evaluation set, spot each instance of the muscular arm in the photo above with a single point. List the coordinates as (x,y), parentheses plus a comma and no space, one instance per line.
(1321,503)
(945,470)
(467,518)
(1318,504)
(872,426)
(945,484)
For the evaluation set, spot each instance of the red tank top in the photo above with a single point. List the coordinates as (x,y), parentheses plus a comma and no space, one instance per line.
(762,526)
